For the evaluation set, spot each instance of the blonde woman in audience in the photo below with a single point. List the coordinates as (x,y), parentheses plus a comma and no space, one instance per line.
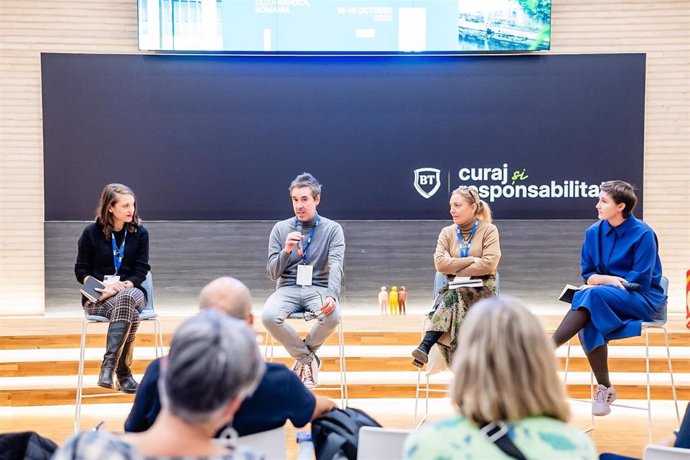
(213,364)
(506,391)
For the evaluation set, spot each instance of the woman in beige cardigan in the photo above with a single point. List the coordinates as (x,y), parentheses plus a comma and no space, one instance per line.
(468,247)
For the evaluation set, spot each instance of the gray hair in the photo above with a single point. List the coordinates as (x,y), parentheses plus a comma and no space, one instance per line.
(306,180)
(213,360)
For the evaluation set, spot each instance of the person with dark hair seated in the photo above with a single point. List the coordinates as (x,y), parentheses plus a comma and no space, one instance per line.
(280,396)
(620,263)
(115,250)
(213,364)
(305,259)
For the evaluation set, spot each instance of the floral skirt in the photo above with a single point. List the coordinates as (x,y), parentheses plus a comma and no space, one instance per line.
(450,309)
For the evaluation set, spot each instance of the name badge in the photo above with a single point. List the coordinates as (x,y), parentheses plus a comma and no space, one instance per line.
(304,273)
(111,279)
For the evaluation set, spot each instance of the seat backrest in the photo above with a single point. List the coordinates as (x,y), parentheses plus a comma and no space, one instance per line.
(270,443)
(147,285)
(381,443)
(439,280)
(662,315)
(653,452)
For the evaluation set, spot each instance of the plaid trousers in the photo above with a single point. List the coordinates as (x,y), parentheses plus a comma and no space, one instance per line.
(123,306)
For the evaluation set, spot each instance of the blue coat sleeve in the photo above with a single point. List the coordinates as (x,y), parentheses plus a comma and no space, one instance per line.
(644,259)
(147,402)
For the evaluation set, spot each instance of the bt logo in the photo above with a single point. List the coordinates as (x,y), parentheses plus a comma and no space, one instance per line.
(427,181)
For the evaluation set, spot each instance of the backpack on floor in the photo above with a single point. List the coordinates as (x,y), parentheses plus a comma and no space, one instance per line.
(26,446)
(336,434)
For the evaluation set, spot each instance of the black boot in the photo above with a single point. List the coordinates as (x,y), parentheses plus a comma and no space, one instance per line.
(421,353)
(125,381)
(117,334)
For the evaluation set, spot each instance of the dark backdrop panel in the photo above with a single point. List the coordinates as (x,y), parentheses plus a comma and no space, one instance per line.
(539,257)
(220,138)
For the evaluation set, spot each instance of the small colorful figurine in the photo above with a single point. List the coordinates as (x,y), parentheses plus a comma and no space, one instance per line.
(393,301)
(402,301)
(383,300)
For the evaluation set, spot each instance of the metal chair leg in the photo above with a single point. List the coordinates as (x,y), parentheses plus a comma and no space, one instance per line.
(649,387)
(591,398)
(343,365)
(567,364)
(80,378)
(158,337)
(670,373)
(591,386)
(416,397)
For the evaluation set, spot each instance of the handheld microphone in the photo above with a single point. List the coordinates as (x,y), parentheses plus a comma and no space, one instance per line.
(632,286)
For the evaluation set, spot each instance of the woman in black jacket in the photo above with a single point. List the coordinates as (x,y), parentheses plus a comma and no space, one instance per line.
(115,250)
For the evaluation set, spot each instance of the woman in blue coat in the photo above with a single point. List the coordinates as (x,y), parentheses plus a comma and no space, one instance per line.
(621,267)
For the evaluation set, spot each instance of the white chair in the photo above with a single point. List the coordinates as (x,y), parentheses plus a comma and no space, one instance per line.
(658,323)
(436,362)
(270,443)
(342,388)
(435,365)
(381,443)
(652,452)
(147,314)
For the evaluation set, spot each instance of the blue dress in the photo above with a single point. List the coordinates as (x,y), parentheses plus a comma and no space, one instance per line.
(630,251)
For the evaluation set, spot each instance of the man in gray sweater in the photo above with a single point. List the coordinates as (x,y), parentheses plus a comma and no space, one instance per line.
(305,258)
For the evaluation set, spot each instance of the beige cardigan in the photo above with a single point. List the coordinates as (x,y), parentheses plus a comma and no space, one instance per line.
(485,252)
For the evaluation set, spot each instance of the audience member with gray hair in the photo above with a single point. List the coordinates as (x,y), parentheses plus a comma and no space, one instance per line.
(209,365)
(213,364)
(280,396)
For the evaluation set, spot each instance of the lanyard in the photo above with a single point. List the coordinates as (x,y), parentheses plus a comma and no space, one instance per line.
(465,245)
(302,251)
(118,254)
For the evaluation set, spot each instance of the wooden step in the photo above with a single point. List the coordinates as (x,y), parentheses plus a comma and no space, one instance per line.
(39,360)
(36,391)
(56,362)
(65,332)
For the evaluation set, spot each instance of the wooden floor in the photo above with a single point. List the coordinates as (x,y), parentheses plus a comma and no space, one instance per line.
(38,364)
(624,431)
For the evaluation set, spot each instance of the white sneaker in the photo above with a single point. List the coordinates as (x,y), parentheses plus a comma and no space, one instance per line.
(297,368)
(602,400)
(310,372)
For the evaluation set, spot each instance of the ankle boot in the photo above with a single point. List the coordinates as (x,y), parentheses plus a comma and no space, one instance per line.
(421,353)
(117,334)
(125,381)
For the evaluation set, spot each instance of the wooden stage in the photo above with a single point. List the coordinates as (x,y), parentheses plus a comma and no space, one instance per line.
(39,359)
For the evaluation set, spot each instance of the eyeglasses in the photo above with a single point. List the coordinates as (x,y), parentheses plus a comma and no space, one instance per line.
(471,191)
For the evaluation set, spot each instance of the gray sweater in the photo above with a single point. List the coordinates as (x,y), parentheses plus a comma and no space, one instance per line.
(326,254)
